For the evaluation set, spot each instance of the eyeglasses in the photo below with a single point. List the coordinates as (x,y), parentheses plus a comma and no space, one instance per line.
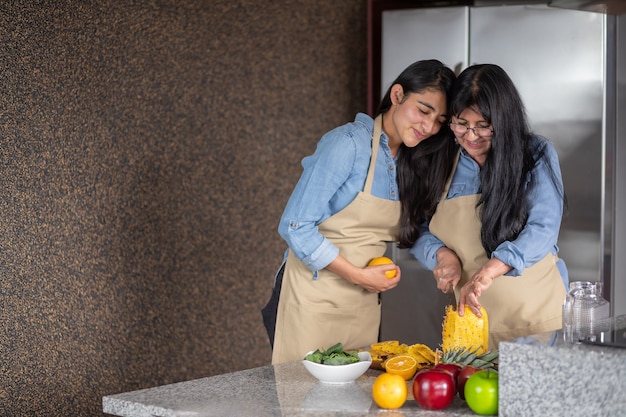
(480,131)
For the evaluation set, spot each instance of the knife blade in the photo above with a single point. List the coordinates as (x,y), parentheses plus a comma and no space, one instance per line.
(451,298)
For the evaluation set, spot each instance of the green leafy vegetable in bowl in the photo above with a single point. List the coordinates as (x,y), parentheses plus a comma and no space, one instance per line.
(334,355)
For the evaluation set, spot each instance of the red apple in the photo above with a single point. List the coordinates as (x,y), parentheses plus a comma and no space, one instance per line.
(453,368)
(462,378)
(434,389)
(481,393)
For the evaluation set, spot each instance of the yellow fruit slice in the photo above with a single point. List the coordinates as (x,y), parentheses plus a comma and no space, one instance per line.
(383,260)
(403,365)
(389,391)
(385,345)
(422,353)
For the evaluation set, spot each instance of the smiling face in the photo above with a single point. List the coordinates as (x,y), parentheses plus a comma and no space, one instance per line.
(476,146)
(413,117)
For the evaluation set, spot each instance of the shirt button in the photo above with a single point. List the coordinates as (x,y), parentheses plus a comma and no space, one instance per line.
(391,167)
(393,193)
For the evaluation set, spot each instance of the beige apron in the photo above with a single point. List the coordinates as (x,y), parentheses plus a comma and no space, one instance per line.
(318,313)
(516,306)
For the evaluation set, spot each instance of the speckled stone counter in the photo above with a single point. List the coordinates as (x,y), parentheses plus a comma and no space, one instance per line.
(281,390)
(539,376)
(558,379)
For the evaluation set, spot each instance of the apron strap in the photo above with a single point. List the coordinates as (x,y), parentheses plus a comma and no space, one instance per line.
(447,186)
(378,122)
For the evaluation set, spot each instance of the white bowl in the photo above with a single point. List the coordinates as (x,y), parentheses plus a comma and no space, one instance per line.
(339,374)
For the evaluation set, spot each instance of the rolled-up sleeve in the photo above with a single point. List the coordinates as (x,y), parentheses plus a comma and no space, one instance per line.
(539,236)
(311,202)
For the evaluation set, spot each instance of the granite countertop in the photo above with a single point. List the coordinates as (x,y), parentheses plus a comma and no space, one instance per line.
(280,390)
(537,376)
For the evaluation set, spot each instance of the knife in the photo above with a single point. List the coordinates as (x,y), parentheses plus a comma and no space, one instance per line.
(451,298)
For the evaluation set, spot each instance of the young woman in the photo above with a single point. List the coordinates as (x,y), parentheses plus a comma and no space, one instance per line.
(493,237)
(344,209)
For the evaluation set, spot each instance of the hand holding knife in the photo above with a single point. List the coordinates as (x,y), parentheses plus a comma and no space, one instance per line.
(447,273)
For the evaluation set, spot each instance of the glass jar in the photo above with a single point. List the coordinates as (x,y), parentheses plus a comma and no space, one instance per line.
(584,310)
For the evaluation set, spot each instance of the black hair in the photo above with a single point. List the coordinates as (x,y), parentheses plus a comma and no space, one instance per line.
(506,177)
(429,74)
(423,169)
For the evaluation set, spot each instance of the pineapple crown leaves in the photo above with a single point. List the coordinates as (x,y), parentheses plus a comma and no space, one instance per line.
(468,356)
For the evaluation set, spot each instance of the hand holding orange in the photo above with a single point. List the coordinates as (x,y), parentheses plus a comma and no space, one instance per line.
(383,260)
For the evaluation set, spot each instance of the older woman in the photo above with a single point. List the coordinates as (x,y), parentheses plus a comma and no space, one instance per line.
(493,238)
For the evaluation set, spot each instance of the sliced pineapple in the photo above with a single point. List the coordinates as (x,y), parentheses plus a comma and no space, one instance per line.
(383,351)
(468,332)
(422,353)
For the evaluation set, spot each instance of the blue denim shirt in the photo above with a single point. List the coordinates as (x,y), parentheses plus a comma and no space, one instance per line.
(542,227)
(332,178)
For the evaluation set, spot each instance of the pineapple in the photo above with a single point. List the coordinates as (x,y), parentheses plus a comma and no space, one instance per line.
(465,340)
(468,332)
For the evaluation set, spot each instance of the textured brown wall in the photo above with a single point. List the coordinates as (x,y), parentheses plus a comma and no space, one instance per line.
(147,151)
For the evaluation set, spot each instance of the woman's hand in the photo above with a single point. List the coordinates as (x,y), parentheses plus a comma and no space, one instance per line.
(375,280)
(480,281)
(447,273)
(372,278)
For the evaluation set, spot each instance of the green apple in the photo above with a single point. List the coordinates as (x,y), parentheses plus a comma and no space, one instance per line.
(481,392)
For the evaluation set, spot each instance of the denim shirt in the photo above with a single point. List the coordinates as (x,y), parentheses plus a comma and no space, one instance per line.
(332,178)
(540,234)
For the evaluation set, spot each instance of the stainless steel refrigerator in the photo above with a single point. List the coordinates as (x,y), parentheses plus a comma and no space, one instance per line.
(561,60)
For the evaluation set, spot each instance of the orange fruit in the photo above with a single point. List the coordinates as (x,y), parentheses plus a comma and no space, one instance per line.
(383,260)
(389,391)
(403,365)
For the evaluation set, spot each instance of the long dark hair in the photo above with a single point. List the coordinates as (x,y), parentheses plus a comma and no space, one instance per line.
(423,169)
(506,177)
